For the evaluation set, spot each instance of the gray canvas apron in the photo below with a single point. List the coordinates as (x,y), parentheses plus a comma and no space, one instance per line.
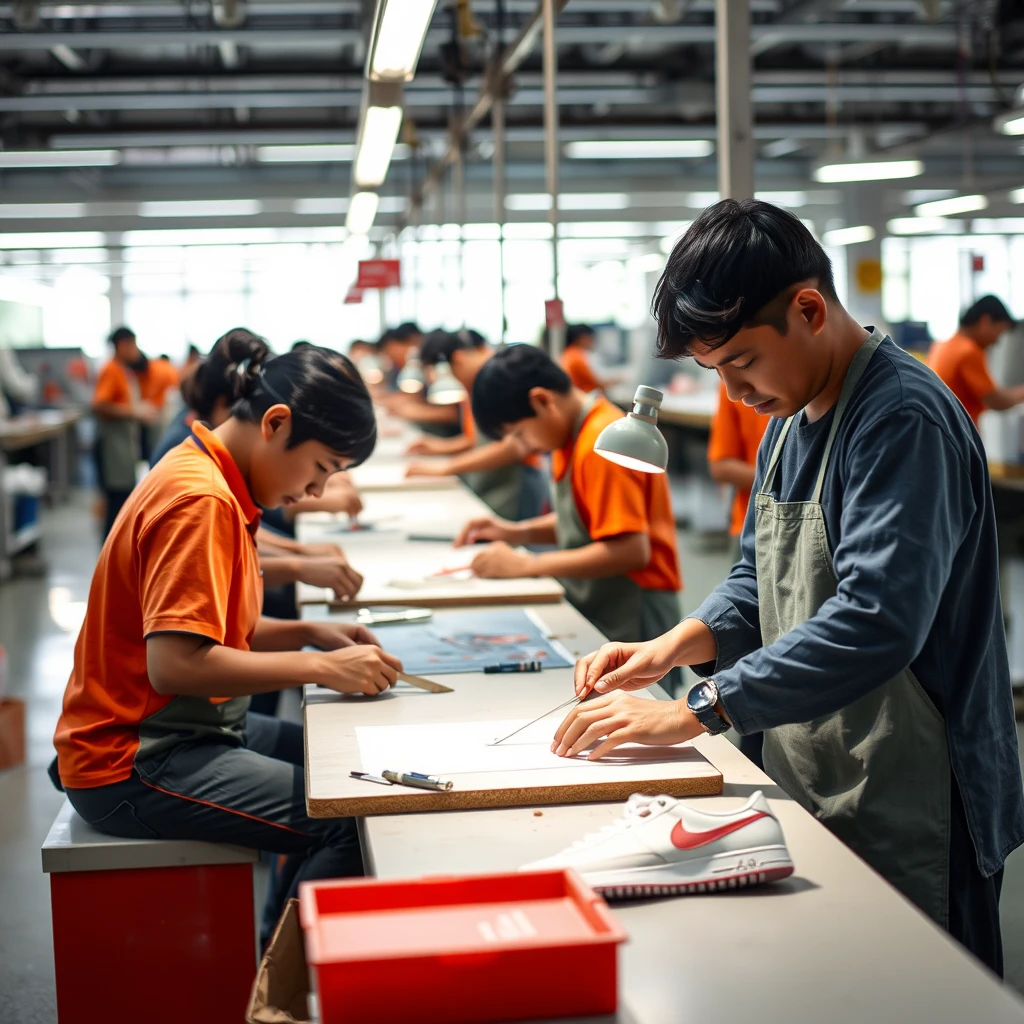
(618,606)
(120,446)
(876,773)
(499,488)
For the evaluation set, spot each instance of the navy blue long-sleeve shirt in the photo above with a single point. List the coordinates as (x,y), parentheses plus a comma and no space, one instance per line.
(907,503)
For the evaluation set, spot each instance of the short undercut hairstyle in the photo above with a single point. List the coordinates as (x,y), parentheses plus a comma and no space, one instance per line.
(728,270)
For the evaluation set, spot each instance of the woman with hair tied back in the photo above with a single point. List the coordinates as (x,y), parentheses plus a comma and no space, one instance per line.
(156,738)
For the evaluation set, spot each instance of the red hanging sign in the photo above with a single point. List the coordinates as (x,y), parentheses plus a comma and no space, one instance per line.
(379,274)
(353,296)
(554,313)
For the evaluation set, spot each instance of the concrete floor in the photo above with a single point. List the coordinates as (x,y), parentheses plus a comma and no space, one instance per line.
(39,621)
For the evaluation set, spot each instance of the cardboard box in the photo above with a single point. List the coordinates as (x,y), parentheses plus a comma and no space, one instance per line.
(280,993)
(12,732)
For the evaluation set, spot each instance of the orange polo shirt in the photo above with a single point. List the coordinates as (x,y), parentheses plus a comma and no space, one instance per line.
(575,363)
(159,378)
(613,500)
(736,432)
(181,558)
(963,368)
(471,433)
(114,386)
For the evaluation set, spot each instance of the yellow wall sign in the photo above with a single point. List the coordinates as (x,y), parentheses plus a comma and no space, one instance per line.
(869,275)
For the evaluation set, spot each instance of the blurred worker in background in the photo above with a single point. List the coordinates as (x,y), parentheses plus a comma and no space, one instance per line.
(121,413)
(961,363)
(575,358)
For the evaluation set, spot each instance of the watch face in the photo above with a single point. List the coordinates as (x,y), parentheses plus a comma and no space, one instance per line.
(701,697)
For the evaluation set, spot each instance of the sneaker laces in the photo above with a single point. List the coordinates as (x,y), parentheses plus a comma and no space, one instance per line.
(638,807)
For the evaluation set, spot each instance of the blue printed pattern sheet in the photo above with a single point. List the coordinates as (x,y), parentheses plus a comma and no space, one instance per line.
(467,641)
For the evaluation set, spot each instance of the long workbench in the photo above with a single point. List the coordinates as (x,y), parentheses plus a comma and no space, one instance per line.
(832,943)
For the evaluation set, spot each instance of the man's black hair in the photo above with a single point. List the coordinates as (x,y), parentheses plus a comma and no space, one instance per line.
(987,305)
(406,331)
(193,351)
(327,397)
(575,333)
(733,260)
(438,345)
(501,391)
(122,334)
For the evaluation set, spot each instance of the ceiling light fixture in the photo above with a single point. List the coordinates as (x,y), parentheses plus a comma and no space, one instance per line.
(848,236)
(868,170)
(399,28)
(362,209)
(378,134)
(642,149)
(60,158)
(951,207)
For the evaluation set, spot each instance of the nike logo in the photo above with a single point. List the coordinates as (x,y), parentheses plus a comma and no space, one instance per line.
(682,839)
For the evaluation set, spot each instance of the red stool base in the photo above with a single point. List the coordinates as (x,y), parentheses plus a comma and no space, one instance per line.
(161,945)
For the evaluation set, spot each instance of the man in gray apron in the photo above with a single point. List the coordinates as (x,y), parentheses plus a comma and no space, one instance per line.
(502,474)
(861,629)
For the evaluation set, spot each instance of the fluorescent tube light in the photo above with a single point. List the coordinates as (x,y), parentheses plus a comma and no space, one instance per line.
(341,152)
(1017,195)
(848,236)
(60,158)
(362,209)
(321,206)
(568,201)
(41,211)
(924,226)
(951,207)
(399,29)
(644,149)
(202,208)
(376,144)
(868,170)
(1011,123)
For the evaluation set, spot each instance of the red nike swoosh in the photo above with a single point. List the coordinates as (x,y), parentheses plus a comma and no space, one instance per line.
(682,839)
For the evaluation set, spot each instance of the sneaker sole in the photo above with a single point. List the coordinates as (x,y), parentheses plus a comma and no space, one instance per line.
(716,874)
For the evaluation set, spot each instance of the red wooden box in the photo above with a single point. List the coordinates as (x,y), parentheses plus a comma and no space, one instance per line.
(450,950)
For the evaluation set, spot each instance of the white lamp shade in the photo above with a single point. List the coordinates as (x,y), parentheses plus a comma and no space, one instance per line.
(410,377)
(445,389)
(635,440)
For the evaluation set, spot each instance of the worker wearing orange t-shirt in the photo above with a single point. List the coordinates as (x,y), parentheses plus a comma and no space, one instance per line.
(736,432)
(504,474)
(579,341)
(961,364)
(613,526)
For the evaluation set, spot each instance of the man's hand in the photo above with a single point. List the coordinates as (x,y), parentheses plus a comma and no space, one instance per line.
(420,468)
(424,446)
(323,550)
(618,718)
(332,636)
(333,573)
(625,666)
(500,561)
(361,668)
(485,528)
(146,412)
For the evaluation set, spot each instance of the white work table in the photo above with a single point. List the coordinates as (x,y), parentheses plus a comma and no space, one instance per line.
(833,943)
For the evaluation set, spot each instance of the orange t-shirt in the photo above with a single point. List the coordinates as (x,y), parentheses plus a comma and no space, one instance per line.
(159,378)
(736,432)
(114,386)
(181,558)
(575,363)
(471,433)
(962,367)
(613,500)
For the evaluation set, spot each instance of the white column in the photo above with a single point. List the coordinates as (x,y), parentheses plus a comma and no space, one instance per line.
(732,91)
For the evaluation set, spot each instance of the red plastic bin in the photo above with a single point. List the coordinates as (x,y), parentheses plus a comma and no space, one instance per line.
(469,949)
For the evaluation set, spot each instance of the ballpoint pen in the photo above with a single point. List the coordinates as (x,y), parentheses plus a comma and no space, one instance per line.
(419,781)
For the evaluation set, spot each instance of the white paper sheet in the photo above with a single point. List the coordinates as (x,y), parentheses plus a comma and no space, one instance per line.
(457,748)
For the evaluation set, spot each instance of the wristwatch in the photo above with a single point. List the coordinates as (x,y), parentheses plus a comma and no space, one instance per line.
(701,700)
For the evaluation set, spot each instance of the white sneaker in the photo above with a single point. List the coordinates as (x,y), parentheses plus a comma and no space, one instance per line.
(663,847)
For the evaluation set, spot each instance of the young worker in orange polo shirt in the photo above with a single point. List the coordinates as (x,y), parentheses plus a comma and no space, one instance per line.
(501,473)
(736,432)
(579,341)
(155,738)
(614,526)
(961,364)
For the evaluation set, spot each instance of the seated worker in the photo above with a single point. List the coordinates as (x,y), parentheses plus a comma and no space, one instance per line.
(862,630)
(155,739)
(121,413)
(579,341)
(209,393)
(961,364)
(501,473)
(613,526)
(438,420)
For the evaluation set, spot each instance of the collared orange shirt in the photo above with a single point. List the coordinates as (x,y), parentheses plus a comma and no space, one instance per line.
(963,368)
(613,500)
(180,558)
(113,385)
(575,363)
(159,378)
(736,432)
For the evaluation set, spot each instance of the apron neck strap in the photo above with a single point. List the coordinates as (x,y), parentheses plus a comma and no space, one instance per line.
(589,401)
(853,375)
(773,464)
